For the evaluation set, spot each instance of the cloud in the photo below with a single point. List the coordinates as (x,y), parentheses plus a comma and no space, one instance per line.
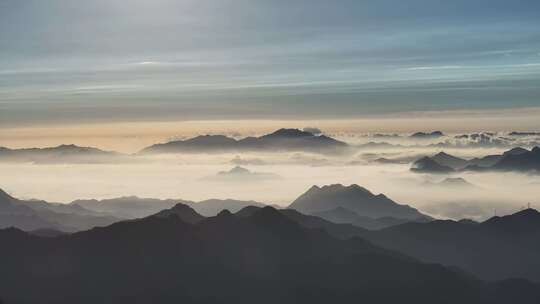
(444,67)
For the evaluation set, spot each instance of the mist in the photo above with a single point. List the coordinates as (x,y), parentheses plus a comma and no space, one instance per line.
(279,178)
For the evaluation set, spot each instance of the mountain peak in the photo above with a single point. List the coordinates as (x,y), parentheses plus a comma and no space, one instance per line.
(292,133)
(516,151)
(183,212)
(442,153)
(224,213)
(527,213)
(426,164)
(247,211)
(519,221)
(354,198)
(5,197)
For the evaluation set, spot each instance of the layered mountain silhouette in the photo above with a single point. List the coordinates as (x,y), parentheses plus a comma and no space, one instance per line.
(515,159)
(183,212)
(499,248)
(30,215)
(522,161)
(60,154)
(428,165)
(342,215)
(280,140)
(212,207)
(449,160)
(128,207)
(353,198)
(260,257)
(132,207)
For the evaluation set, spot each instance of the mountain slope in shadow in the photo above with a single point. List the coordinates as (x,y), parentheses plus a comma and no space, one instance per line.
(261,258)
(499,248)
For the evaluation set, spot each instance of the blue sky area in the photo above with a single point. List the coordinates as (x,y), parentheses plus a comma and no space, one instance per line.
(65,61)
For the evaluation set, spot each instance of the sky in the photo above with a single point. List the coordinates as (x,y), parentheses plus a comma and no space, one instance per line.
(72,62)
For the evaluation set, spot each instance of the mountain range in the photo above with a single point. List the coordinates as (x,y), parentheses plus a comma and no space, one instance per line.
(501,247)
(516,159)
(353,204)
(260,256)
(32,215)
(60,154)
(132,207)
(280,140)
(369,211)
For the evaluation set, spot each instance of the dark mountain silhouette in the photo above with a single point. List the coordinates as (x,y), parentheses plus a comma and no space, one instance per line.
(516,151)
(354,198)
(484,162)
(60,154)
(448,160)
(212,207)
(47,232)
(264,257)
(428,165)
(499,248)
(342,215)
(183,212)
(423,135)
(340,231)
(515,159)
(468,222)
(36,215)
(280,140)
(522,161)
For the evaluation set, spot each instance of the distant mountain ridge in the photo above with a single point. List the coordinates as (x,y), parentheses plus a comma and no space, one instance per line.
(280,140)
(132,207)
(498,248)
(515,159)
(37,215)
(342,215)
(59,154)
(354,198)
